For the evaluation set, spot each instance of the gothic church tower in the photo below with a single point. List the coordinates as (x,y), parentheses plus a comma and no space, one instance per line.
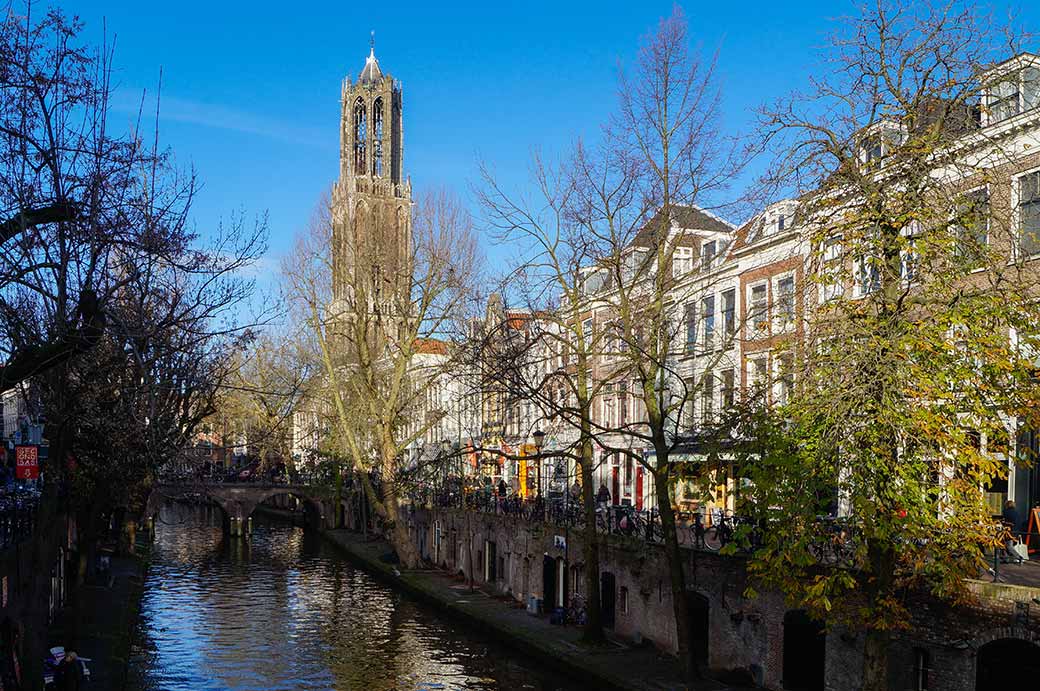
(371,201)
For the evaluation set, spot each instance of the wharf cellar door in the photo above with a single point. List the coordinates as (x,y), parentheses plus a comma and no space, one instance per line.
(1007,663)
(805,652)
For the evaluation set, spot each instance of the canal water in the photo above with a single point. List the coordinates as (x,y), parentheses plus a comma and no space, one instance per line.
(286,611)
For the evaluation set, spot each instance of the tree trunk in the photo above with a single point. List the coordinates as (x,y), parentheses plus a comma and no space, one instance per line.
(875,660)
(875,647)
(399,536)
(676,575)
(37,583)
(593,632)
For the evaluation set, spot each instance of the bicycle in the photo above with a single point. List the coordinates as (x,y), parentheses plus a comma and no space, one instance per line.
(719,534)
(575,613)
(835,545)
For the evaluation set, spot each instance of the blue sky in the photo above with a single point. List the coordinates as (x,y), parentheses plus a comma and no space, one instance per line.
(251,89)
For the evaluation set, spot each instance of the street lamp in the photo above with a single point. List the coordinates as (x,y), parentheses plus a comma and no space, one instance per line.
(539,441)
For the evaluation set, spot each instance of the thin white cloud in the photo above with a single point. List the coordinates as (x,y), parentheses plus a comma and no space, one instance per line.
(175,109)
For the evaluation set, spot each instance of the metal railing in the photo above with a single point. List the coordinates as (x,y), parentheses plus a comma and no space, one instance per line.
(622,520)
(18,511)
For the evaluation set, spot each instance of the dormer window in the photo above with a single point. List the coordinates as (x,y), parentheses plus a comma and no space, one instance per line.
(778,218)
(873,149)
(1011,94)
(879,141)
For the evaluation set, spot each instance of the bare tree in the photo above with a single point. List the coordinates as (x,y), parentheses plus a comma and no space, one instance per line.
(552,365)
(367,338)
(613,240)
(264,392)
(87,213)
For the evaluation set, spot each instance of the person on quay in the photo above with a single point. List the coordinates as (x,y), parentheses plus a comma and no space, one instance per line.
(1010,519)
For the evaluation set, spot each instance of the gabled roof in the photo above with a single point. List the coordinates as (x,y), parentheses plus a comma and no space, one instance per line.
(517,319)
(743,232)
(687,218)
(431,346)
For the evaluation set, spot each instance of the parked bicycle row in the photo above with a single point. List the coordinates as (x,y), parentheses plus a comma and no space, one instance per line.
(709,530)
(18,508)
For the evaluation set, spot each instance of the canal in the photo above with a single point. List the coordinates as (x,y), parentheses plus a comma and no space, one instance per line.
(287,611)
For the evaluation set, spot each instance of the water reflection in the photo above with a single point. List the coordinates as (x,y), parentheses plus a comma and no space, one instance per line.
(286,612)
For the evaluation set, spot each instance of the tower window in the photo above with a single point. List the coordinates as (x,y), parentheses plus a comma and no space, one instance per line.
(377,137)
(360,135)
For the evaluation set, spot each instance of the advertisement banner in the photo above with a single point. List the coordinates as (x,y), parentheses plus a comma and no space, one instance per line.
(27,462)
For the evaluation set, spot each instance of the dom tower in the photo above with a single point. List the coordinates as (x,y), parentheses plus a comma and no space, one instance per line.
(371,202)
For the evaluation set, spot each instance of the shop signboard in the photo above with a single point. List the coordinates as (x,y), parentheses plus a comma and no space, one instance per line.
(27,462)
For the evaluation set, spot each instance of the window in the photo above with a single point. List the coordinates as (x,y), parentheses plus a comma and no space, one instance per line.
(690,413)
(1029,213)
(728,389)
(757,373)
(637,411)
(691,326)
(1016,93)
(624,599)
(360,135)
(881,141)
(707,398)
(707,254)
(633,263)
(682,261)
(377,137)
(781,221)
(1003,100)
(785,299)
(785,378)
(910,259)
(972,228)
(759,307)
(868,275)
(708,312)
(608,406)
(586,333)
(623,402)
(873,148)
(830,274)
(729,305)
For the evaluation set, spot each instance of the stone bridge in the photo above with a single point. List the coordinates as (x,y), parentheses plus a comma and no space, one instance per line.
(239,499)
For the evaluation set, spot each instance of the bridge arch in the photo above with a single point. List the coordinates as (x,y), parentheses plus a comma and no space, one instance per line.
(239,500)
(314,509)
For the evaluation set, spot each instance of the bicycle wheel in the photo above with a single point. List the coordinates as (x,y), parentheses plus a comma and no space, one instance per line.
(819,550)
(712,539)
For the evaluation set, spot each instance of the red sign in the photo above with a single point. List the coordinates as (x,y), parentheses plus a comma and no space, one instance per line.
(27,462)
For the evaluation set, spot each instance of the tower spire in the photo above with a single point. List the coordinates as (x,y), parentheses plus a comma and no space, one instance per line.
(372,44)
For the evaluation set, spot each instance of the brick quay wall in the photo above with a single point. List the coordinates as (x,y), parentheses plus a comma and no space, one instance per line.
(747,636)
